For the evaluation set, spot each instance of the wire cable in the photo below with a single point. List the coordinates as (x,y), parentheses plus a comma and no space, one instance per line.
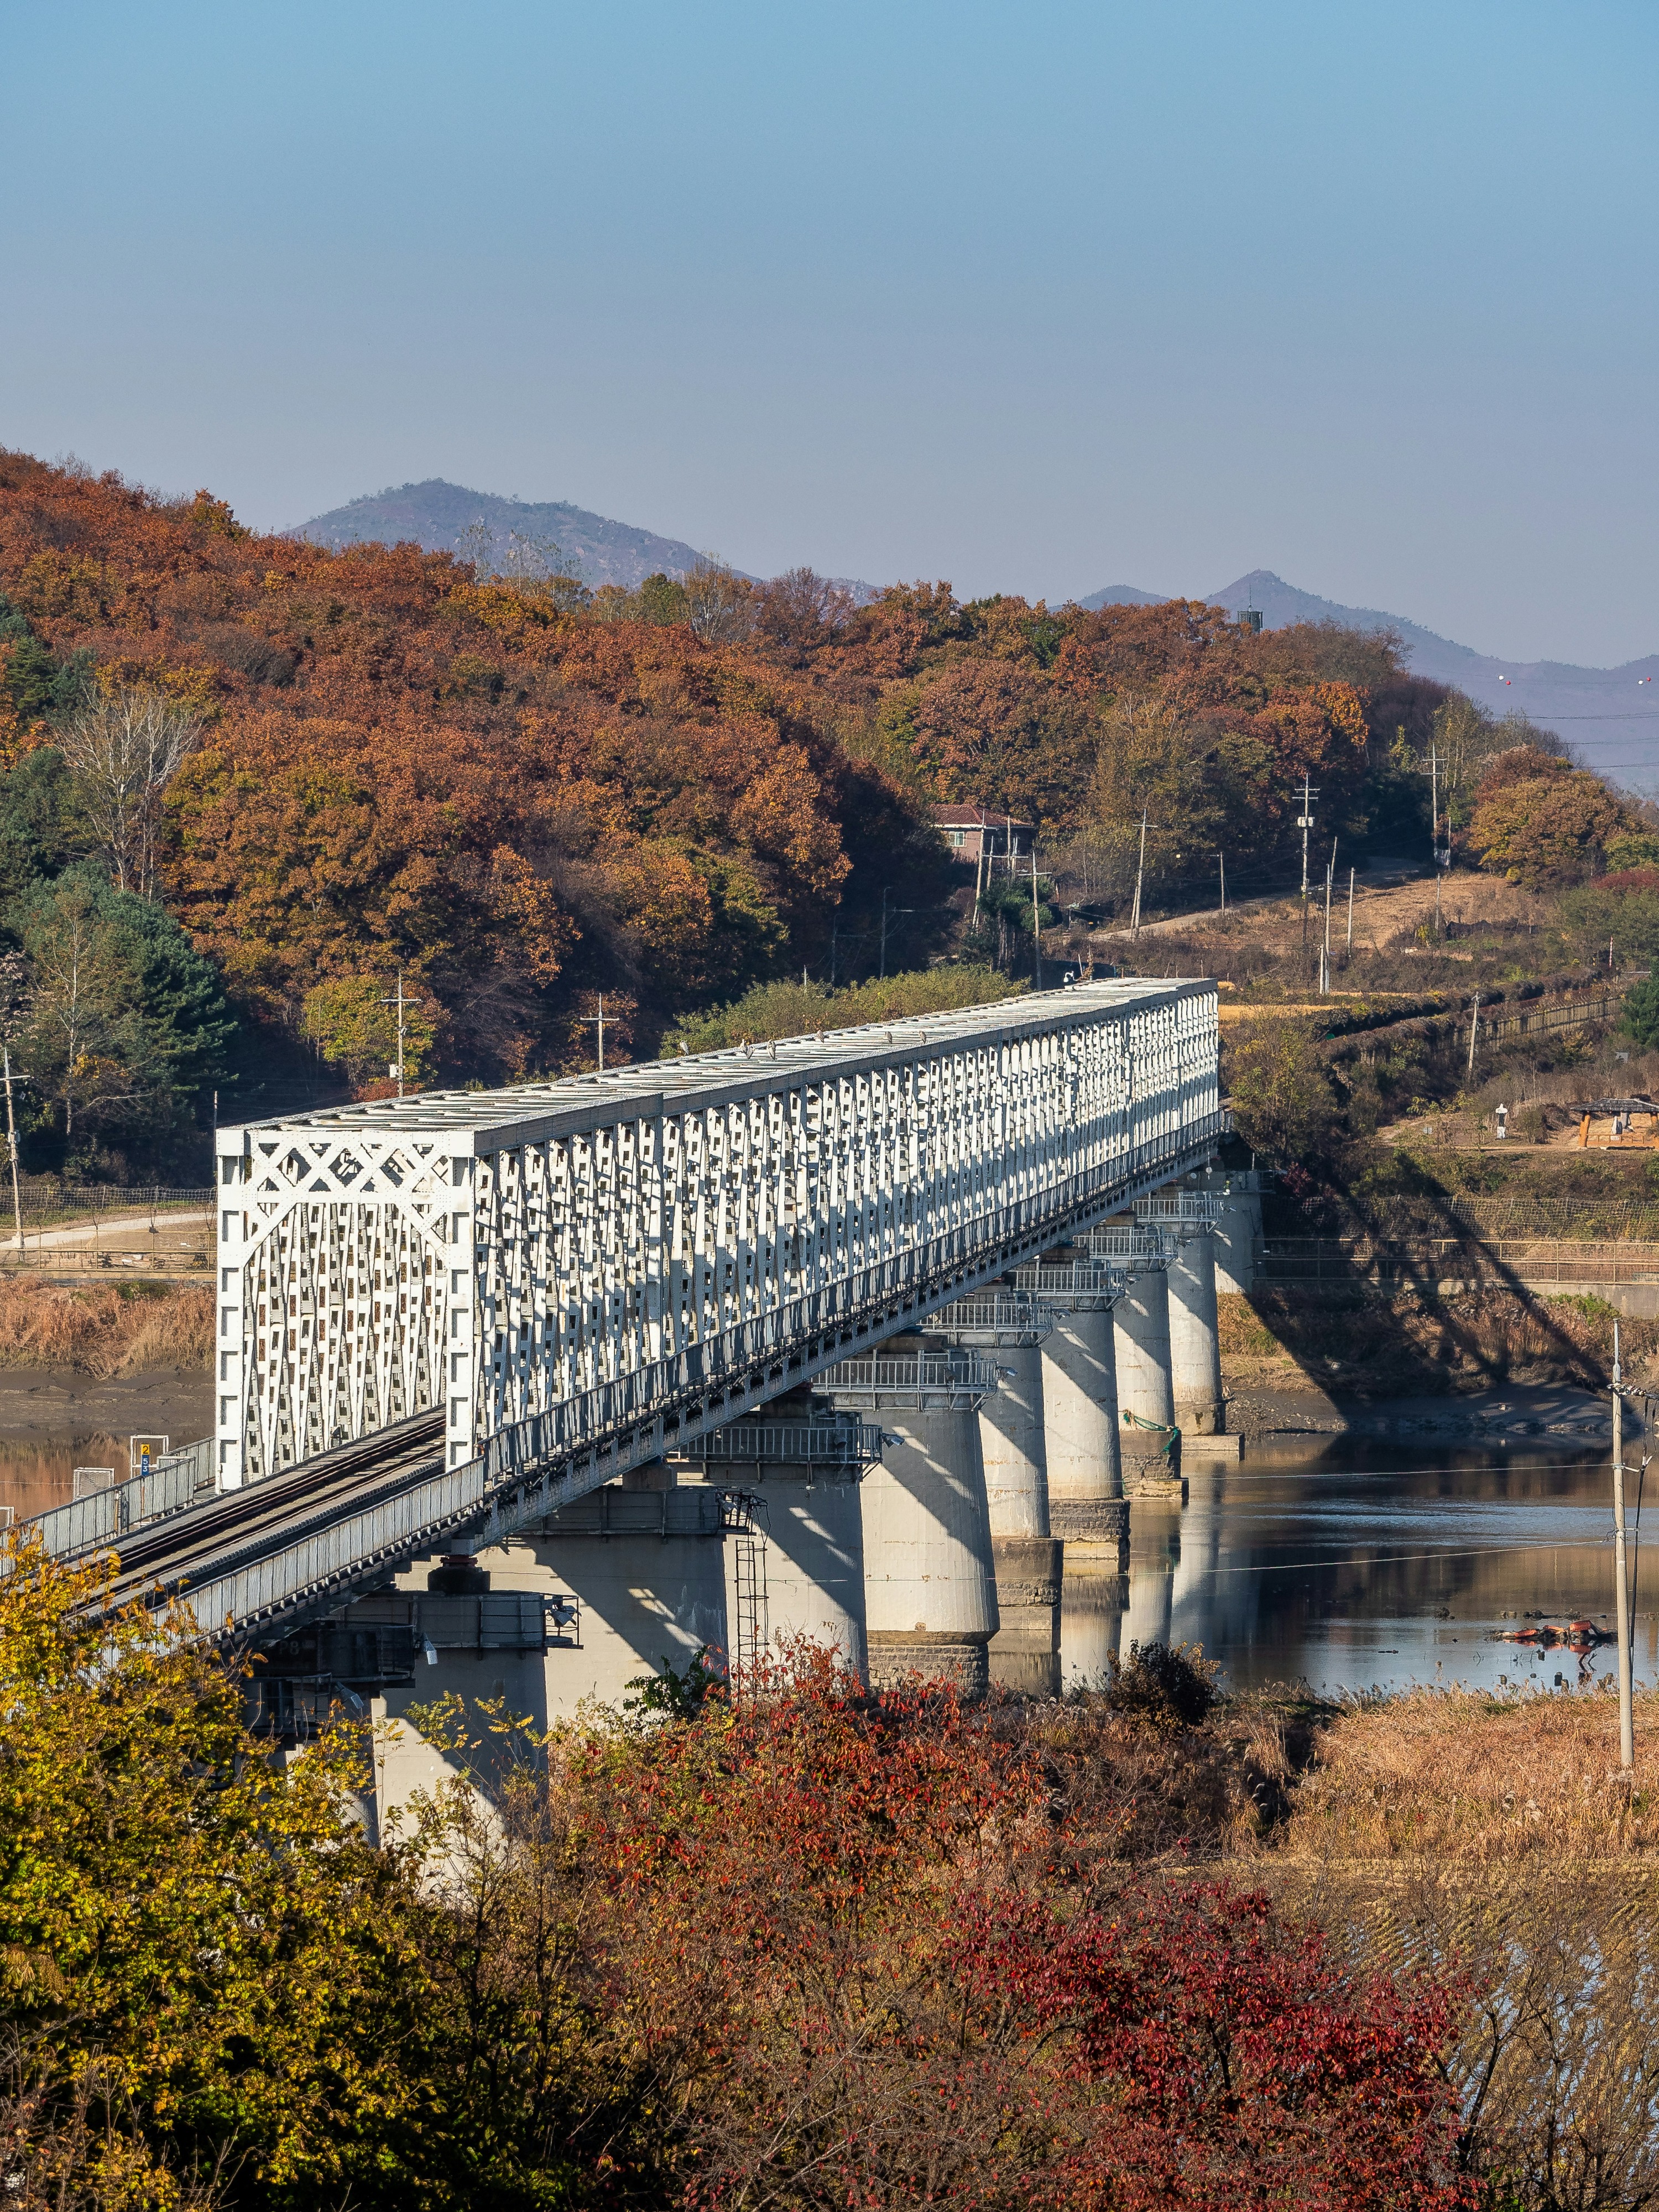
(1404,1558)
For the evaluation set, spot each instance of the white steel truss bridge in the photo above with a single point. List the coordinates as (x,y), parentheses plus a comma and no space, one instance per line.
(544,1285)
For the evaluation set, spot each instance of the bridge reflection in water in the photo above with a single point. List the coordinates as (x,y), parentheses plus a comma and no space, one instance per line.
(1356,1562)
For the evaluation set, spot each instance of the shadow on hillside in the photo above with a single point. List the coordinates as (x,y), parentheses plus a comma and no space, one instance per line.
(1373,1318)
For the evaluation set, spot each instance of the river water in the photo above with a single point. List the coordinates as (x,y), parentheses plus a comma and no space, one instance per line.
(1345,1563)
(1358,1564)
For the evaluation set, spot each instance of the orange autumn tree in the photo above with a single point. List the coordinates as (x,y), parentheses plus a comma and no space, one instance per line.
(404,766)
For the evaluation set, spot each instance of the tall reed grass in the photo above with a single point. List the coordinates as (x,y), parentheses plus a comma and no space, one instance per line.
(128,1330)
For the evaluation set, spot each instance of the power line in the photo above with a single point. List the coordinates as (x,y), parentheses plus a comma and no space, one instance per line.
(1360,1557)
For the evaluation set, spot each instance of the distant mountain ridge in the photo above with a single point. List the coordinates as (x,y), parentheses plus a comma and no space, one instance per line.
(436,514)
(1595,708)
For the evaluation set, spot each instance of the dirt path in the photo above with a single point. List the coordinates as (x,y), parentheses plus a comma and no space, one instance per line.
(1388,905)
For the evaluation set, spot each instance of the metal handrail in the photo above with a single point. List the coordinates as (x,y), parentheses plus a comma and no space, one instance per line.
(1143,1246)
(1061,1285)
(1017,1315)
(94,1523)
(912,1371)
(814,1443)
(1194,1206)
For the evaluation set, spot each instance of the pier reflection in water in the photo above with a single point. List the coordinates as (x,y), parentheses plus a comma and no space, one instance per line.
(1357,1564)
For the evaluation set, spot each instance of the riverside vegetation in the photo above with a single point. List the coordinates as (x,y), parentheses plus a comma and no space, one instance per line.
(1144,1945)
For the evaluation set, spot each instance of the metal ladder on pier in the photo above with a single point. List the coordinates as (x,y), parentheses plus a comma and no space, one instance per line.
(742,1518)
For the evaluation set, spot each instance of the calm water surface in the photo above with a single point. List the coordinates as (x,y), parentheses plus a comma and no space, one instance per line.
(1363,1563)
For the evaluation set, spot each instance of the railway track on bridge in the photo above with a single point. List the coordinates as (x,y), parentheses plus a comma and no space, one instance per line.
(240,1527)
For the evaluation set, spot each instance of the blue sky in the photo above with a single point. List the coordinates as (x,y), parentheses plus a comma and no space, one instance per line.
(1033,298)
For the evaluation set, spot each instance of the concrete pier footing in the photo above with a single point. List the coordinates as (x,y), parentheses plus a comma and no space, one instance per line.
(1194,1344)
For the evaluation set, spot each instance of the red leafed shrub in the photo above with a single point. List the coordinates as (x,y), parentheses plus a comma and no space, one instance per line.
(862,1957)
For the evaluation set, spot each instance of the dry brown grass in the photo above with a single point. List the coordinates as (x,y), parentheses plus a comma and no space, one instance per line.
(129,1331)
(1497,1843)
(1457,1776)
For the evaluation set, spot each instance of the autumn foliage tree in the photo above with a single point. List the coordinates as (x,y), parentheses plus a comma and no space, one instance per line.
(851,1954)
(1542,822)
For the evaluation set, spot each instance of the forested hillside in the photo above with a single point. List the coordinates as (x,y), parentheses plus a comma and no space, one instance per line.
(261,779)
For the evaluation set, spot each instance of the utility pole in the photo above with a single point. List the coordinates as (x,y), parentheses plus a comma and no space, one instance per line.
(884,932)
(397,999)
(11,1145)
(1350,911)
(1434,827)
(1474,1031)
(1140,873)
(1222,857)
(1036,925)
(1305,823)
(1626,1716)
(1325,949)
(597,1022)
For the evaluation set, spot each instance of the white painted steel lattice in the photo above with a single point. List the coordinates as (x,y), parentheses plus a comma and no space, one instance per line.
(553,1262)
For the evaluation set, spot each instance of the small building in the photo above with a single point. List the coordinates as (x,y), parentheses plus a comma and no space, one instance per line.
(974,831)
(1627,1123)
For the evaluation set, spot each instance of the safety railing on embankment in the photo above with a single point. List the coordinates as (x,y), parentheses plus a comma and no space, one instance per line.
(1531,1263)
(92,1227)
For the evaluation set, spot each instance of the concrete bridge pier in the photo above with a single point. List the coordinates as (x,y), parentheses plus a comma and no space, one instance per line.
(930,1583)
(1148,1438)
(1010,1327)
(801,1574)
(643,1558)
(1236,1199)
(1087,1509)
(1200,1409)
